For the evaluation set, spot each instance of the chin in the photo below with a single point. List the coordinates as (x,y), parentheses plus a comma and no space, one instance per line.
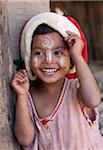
(52,80)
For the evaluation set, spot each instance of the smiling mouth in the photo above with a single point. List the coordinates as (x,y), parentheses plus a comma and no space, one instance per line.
(49,71)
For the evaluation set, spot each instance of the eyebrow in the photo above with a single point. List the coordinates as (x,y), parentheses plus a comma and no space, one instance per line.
(60,47)
(57,47)
(36,48)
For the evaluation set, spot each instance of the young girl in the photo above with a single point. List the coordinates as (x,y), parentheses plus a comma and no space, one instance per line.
(57,110)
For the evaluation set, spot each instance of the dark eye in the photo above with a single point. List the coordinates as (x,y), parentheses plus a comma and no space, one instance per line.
(58,52)
(38,53)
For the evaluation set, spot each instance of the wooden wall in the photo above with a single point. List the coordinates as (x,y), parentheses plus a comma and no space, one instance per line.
(13,14)
(89,14)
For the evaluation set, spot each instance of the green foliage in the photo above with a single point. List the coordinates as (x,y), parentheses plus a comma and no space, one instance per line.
(19,63)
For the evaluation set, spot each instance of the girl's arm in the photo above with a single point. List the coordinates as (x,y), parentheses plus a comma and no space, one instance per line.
(23,127)
(89,91)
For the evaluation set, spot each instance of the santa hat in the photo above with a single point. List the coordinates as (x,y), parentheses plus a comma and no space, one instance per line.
(57,22)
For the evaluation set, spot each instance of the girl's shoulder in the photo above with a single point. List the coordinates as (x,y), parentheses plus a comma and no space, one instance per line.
(73,84)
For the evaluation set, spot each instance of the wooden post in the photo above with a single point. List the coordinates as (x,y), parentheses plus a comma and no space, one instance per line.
(7,141)
(13,14)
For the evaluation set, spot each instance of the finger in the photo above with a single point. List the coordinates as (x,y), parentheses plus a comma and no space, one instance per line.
(22,73)
(68,37)
(20,78)
(71,33)
(19,74)
(25,72)
(71,39)
(16,81)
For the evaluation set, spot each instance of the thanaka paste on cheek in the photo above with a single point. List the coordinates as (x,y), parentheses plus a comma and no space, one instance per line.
(35,61)
(63,62)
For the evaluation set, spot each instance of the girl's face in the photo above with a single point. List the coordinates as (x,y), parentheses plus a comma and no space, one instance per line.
(50,60)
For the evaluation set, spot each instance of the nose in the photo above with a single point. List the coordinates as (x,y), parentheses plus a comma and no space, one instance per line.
(49,56)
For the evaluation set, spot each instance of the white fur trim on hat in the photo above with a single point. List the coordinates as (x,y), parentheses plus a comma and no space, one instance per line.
(56,21)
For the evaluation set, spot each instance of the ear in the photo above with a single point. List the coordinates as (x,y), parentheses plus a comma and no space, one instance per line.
(72,70)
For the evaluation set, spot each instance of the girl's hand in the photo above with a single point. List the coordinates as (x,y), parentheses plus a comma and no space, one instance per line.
(76,45)
(20,83)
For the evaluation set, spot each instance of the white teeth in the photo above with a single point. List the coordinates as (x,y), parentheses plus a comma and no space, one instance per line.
(49,71)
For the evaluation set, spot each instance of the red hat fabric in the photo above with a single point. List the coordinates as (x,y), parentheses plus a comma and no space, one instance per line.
(84,53)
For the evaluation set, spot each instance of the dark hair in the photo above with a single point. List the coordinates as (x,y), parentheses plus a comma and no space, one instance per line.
(43,29)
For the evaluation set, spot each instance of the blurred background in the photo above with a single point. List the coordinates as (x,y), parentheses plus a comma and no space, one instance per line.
(13,15)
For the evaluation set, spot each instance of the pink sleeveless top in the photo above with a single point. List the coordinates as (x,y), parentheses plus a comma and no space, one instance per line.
(68,127)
